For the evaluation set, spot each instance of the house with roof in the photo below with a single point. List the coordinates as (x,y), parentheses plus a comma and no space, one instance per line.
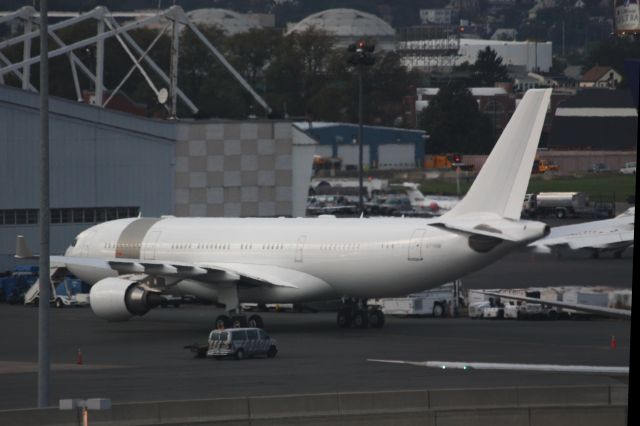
(601,77)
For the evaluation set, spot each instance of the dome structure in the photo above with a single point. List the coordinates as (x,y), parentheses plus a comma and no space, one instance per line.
(348,26)
(229,21)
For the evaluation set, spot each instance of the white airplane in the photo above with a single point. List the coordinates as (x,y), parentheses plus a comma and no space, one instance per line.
(130,262)
(614,235)
(434,204)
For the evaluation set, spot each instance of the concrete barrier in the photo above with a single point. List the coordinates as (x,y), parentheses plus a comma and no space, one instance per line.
(619,394)
(583,416)
(372,402)
(562,395)
(447,398)
(483,417)
(553,405)
(294,405)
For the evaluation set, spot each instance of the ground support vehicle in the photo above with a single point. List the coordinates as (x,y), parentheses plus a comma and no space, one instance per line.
(65,291)
(563,205)
(13,286)
(445,300)
(241,343)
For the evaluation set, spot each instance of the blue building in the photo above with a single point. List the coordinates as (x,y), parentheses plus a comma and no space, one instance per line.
(384,148)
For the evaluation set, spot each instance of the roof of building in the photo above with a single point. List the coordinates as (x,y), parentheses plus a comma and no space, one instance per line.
(229,21)
(599,119)
(475,91)
(345,23)
(599,98)
(596,73)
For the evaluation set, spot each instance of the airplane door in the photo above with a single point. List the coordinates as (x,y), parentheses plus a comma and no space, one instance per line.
(151,244)
(300,247)
(415,245)
(85,243)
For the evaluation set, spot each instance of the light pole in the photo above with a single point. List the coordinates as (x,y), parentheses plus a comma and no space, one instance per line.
(43,265)
(361,55)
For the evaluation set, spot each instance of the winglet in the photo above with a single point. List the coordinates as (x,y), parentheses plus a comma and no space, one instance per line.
(22,249)
(501,184)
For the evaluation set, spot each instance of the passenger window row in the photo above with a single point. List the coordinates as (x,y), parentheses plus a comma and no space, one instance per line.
(340,247)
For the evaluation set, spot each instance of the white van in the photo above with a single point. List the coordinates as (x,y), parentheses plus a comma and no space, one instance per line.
(241,343)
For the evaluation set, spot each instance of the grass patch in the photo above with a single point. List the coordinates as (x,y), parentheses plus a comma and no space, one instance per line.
(602,186)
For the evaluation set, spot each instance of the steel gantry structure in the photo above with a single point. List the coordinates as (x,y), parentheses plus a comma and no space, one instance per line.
(172,19)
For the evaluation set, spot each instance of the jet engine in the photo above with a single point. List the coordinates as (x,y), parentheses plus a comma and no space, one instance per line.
(117,299)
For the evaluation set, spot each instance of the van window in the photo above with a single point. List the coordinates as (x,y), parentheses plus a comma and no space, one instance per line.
(263,335)
(252,334)
(239,335)
(219,337)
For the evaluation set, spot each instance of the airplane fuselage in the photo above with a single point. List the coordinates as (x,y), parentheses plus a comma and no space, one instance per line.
(350,257)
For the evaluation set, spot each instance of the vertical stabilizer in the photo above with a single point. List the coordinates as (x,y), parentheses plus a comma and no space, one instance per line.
(501,184)
(413,192)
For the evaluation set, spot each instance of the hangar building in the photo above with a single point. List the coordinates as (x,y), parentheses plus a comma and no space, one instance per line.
(106,165)
(385,148)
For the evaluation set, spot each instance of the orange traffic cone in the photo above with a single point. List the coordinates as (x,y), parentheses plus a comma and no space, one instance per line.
(79,360)
(614,344)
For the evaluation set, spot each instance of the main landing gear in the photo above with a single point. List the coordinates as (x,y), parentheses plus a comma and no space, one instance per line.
(235,318)
(356,313)
(239,320)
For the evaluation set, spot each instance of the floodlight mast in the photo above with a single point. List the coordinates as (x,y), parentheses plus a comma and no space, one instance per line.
(44,286)
(361,55)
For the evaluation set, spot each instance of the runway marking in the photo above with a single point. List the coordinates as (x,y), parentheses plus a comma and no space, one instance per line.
(16,367)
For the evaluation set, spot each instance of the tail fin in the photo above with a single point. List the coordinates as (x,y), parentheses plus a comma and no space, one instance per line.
(501,184)
(413,192)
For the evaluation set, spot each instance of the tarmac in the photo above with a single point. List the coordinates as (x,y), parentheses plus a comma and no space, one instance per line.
(144,359)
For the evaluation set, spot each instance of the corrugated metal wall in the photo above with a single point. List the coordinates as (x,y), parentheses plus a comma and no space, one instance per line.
(99,158)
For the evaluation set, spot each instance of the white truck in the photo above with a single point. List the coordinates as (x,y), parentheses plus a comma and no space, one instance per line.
(445,300)
(563,205)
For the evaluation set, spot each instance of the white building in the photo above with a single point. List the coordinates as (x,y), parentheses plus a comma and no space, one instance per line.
(348,26)
(437,16)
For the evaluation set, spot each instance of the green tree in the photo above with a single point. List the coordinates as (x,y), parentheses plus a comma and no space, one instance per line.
(454,123)
(298,71)
(488,69)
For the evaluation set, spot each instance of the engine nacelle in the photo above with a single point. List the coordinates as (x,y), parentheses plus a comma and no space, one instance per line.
(117,299)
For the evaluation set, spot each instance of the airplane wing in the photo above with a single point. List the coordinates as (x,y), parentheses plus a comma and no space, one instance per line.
(247,274)
(616,233)
(511,366)
(609,312)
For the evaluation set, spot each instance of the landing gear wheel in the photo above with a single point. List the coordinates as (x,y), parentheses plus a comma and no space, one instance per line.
(438,310)
(59,304)
(255,321)
(240,355)
(271,353)
(223,321)
(344,318)
(560,214)
(376,318)
(360,319)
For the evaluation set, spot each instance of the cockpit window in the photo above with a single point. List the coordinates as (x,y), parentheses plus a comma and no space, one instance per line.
(75,241)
